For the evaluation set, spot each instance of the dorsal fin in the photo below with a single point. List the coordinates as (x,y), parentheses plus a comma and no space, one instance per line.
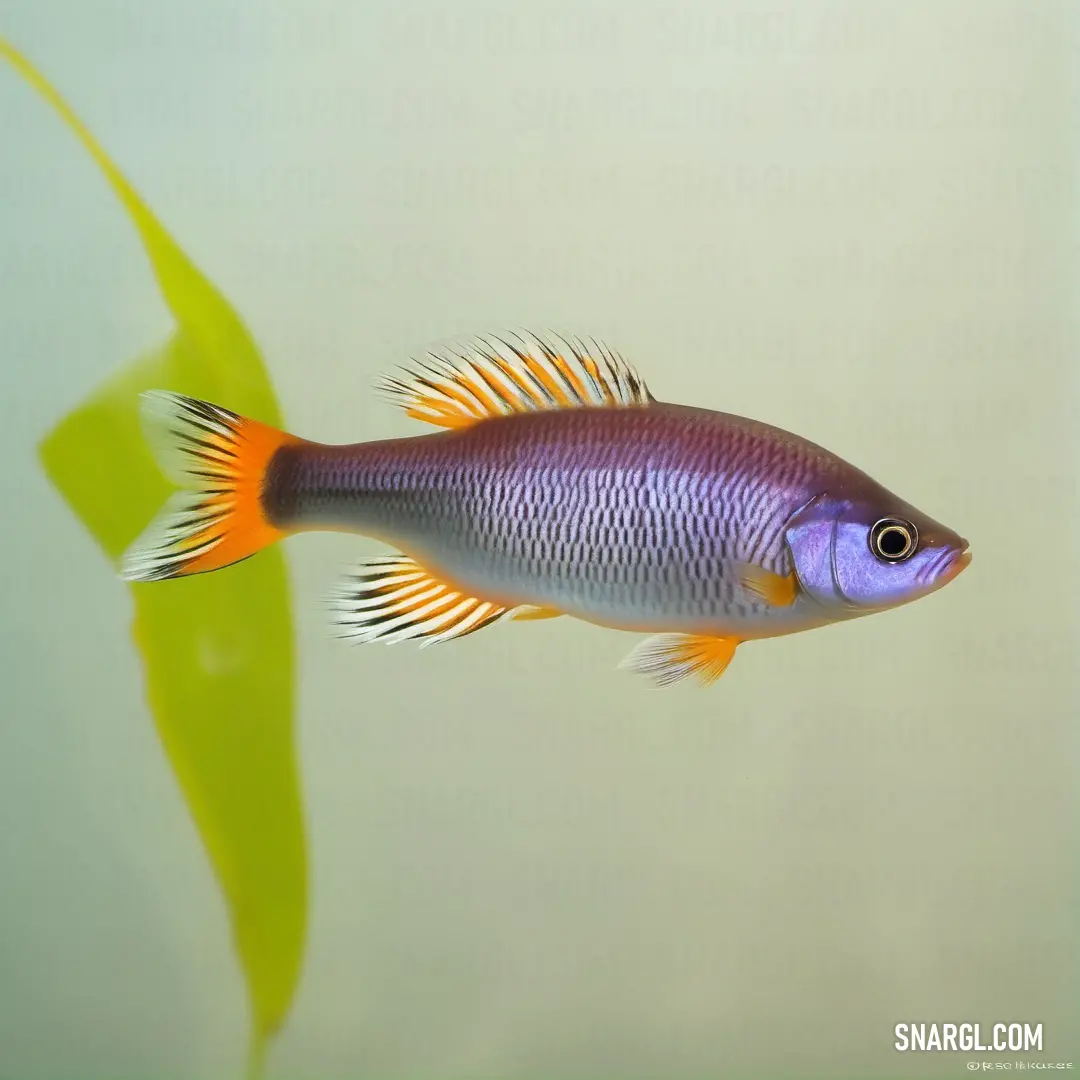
(461,383)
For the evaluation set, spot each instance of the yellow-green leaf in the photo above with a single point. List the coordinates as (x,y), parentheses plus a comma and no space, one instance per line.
(216,649)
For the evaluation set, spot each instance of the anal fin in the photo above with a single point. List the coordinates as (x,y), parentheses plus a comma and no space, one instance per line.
(667,658)
(393,598)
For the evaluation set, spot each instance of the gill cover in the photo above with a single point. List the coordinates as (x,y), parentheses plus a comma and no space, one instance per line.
(811,536)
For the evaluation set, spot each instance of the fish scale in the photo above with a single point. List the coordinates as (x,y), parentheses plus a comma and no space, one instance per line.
(624,516)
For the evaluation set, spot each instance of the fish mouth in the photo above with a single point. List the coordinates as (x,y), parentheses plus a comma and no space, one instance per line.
(949,565)
(961,561)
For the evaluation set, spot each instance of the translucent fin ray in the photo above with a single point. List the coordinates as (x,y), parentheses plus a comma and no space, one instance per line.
(668,658)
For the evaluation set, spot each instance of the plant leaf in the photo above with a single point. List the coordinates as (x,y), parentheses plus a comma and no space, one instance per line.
(216,649)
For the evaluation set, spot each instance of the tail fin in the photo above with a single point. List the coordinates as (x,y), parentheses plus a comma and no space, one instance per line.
(221,459)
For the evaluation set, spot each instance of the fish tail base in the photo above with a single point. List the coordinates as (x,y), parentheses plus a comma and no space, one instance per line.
(220,461)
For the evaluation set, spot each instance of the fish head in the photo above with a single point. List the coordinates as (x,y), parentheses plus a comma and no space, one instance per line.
(866,550)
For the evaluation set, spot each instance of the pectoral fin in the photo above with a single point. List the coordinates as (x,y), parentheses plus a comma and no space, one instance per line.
(667,658)
(775,590)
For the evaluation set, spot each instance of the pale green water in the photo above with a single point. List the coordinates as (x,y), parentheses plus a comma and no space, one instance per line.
(857,225)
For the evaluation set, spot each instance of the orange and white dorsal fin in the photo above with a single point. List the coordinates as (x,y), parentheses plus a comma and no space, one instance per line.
(461,383)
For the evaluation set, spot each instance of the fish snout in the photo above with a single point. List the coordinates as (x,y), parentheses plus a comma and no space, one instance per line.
(950,564)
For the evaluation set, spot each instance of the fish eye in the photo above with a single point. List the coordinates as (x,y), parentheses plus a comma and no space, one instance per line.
(893,539)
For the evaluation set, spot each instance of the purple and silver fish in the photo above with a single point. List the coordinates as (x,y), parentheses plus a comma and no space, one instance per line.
(562,487)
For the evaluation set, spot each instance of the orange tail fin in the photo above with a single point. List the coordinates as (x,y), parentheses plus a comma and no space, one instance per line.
(220,459)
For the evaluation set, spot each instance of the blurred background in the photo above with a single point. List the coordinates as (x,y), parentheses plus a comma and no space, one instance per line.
(858,222)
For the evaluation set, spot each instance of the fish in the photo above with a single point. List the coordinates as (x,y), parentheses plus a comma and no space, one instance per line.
(557,485)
